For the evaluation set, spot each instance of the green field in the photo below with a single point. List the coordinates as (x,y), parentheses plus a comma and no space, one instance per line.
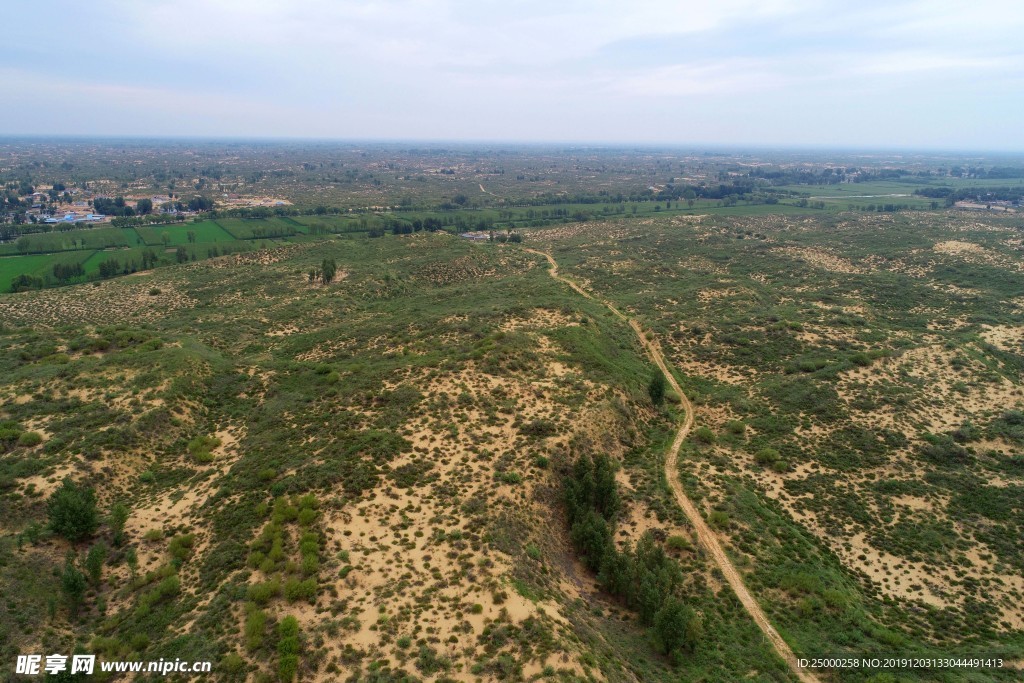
(253,228)
(205,232)
(79,238)
(36,265)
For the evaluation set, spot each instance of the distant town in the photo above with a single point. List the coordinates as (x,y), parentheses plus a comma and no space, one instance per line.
(58,204)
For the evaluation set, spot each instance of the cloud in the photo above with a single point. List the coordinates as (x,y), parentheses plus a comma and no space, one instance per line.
(531,69)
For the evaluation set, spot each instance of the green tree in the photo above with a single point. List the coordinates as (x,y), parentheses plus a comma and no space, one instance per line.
(144,206)
(328,269)
(676,627)
(593,537)
(606,493)
(656,387)
(71,510)
(117,519)
(94,562)
(73,585)
(131,558)
(690,196)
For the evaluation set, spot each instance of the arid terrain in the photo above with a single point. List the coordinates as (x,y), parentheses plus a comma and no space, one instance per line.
(679,447)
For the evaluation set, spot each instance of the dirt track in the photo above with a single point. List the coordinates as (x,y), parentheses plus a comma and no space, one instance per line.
(705,535)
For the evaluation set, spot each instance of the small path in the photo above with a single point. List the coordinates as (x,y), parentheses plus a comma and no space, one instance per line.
(705,535)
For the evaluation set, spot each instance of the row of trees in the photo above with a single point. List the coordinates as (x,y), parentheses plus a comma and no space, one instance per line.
(643,575)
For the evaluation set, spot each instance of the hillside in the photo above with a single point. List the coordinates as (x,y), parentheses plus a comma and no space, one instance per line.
(447,465)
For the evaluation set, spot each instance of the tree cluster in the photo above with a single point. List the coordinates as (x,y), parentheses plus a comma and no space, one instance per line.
(643,576)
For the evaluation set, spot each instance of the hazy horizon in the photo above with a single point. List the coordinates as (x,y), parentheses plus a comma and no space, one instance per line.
(609,145)
(779,74)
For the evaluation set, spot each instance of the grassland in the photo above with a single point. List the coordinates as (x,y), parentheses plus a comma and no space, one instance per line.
(853,402)
(381,457)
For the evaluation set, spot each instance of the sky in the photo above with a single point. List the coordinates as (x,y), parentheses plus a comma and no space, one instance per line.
(931,74)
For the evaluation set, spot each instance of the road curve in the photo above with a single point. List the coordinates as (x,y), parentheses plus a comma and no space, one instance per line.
(705,535)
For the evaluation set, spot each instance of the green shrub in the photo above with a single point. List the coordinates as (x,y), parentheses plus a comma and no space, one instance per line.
(255,626)
(719,519)
(704,435)
(539,428)
(736,427)
(509,477)
(766,456)
(677,542)
(29,439)
(203,444)
(232,663)
(295,590)
(262,593)
(180,547)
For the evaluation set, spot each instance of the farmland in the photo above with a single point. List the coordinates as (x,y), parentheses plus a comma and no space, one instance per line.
(204,232)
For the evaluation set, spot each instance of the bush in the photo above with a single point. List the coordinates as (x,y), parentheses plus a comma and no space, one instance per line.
(719,519)
(944,451)
(71,510)
(29,439)
(200,448)
(704,435)
(255,625)
(539,428)
(736,427)
(232,662)
(860,358)
(261,593)
(295,590)
(180,547)
(766,456)
(678,543)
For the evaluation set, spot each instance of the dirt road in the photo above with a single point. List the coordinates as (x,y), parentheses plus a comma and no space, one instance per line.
(705,535)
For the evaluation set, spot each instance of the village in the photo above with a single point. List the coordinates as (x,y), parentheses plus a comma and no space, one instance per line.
(57,205)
